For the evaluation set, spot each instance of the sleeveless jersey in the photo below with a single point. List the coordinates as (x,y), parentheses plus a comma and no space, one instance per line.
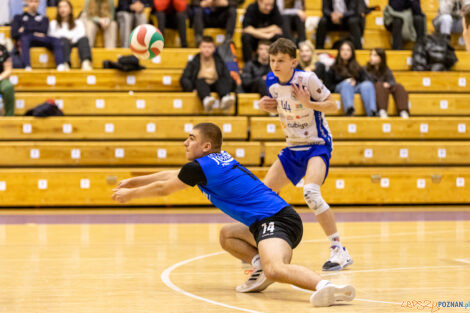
(236,191)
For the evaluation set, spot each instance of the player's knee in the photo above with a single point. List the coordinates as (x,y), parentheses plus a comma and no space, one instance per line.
(274,272)
(224,235)
(312,195)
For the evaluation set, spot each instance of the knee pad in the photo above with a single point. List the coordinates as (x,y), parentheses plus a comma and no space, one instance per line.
(314,199)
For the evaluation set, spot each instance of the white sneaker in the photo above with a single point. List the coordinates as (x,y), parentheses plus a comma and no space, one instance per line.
(339,259)
(383,113)
(332,294)
(404,114)
(256,283)
(61,67)
(28,68)
(227,102)
(208,103)
(86,65)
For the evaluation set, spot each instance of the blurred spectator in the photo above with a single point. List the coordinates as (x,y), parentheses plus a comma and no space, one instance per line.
(172,14)
(466,25)
(4,12)
(308,60)
(214,14)
(100,14)
(406,21)
(262,20)
(293,16)
(385,84)
(17,7)
(6,88)
(449,17)
(130,14)
(207,72)
(340,15)
(433,53)
(30,30)
(72,34)
(347,77)
(255,71)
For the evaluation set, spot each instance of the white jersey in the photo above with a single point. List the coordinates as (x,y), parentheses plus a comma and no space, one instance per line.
(302,126)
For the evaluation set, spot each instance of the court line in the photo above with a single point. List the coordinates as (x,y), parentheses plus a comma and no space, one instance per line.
(462,260)
(165,276)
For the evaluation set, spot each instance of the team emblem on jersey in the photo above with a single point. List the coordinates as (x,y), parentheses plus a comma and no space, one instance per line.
(221,158)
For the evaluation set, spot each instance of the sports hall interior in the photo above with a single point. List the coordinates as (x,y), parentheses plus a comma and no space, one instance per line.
(399,189)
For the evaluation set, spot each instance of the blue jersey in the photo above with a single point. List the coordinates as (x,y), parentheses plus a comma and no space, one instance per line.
(236,191)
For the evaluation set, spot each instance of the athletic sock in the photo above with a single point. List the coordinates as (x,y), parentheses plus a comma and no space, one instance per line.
(322,283)
(334,240)
(256,262)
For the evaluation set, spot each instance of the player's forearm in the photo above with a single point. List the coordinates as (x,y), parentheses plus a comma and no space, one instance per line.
(154,189)
(328,106)
(148,179)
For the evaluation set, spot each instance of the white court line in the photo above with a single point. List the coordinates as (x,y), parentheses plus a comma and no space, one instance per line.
(462,260)
(166,279)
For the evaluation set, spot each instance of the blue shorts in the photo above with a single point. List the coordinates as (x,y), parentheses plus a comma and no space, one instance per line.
(295,162)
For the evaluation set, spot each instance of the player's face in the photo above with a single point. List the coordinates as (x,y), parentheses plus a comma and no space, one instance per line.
(265,6)
(33,5)
(282,66)
(195,146)
(305,54)
(345,52)
(64,9)
(374,58)
(207,49)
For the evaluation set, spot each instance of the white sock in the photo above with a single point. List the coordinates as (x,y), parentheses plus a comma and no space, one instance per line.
(322,283)
(334,240)
(256,261)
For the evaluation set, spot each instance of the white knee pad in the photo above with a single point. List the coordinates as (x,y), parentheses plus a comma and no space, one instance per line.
(314,200)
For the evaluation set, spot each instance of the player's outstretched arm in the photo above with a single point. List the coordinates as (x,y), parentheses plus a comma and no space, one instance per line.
(146,179)
(155,189)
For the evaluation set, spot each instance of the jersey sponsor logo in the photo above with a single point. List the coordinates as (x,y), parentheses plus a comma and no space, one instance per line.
(297,125)
(222,158)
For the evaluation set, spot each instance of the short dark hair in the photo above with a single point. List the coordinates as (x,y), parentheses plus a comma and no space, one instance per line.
(212,133)
(265,42)
(207,39)
(466,14)
(283,45)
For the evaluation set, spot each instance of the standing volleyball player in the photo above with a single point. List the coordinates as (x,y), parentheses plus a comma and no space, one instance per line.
(301,100)
(269,228)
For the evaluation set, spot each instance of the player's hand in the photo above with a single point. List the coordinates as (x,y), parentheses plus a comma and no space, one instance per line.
(301,94)
(268,104)
(122,195)
(126,183)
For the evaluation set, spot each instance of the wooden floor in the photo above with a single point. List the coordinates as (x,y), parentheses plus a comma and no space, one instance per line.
(170,261)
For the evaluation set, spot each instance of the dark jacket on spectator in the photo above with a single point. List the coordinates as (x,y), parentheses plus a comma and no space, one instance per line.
(252,71)
(351,8)
(32,24)
(253,17)
(125,5)
(334,78)
(387,77)
(433,53)
(402,5)
(231,3)
(192,70)
(320,70)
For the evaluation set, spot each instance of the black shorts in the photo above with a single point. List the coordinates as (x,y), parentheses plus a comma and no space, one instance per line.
(285,224)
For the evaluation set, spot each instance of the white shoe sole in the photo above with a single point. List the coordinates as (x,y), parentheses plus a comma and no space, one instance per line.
(332,294)
(260,286)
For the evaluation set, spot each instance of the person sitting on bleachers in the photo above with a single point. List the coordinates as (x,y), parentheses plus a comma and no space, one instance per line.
(100,14)
(339,15)
(72,34)
(30,30)
(308,60)
(347,77)
(130,14)
(293,16)
(406,21)
(449,17)
(172,13)
(385,84)
(466,25)
(207,72)
(262,20)
(214,14)
(17,7)
(6,87)
(255,71)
